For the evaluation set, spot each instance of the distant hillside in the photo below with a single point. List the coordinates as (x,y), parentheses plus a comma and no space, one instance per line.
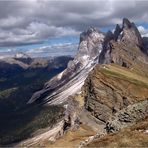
(17,84)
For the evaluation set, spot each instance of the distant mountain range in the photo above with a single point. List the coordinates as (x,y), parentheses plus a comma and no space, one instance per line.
(20,77)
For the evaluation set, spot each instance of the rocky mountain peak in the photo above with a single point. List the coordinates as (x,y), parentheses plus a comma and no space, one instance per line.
(90,45)
(70,81)
(130,33)
(126,39)
(89,48)
(84,35)
(21,55)
(126,23)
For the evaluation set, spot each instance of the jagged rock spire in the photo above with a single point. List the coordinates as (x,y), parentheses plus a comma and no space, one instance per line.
(126,23)
(84,35)
(130,33)
(90,41)
(117,32)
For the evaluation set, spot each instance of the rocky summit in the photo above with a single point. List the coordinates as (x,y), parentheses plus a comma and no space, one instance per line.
(70,81)
(104,92)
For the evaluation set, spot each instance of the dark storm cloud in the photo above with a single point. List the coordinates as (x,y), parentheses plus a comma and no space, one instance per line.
(32,21)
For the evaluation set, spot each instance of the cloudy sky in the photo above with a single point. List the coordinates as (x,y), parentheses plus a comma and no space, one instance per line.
(34,23)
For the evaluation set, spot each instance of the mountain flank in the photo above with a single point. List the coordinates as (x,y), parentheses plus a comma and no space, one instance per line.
(115,93)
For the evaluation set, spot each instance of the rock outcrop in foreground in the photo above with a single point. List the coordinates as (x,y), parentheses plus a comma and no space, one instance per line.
(110,88)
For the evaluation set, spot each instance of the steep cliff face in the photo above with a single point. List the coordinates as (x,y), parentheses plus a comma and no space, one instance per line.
(110,88)
(70,81)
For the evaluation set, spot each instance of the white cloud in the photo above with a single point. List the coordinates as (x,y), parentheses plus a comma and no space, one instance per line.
(64,49)
(143,31)
(35,32)
(29,21)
